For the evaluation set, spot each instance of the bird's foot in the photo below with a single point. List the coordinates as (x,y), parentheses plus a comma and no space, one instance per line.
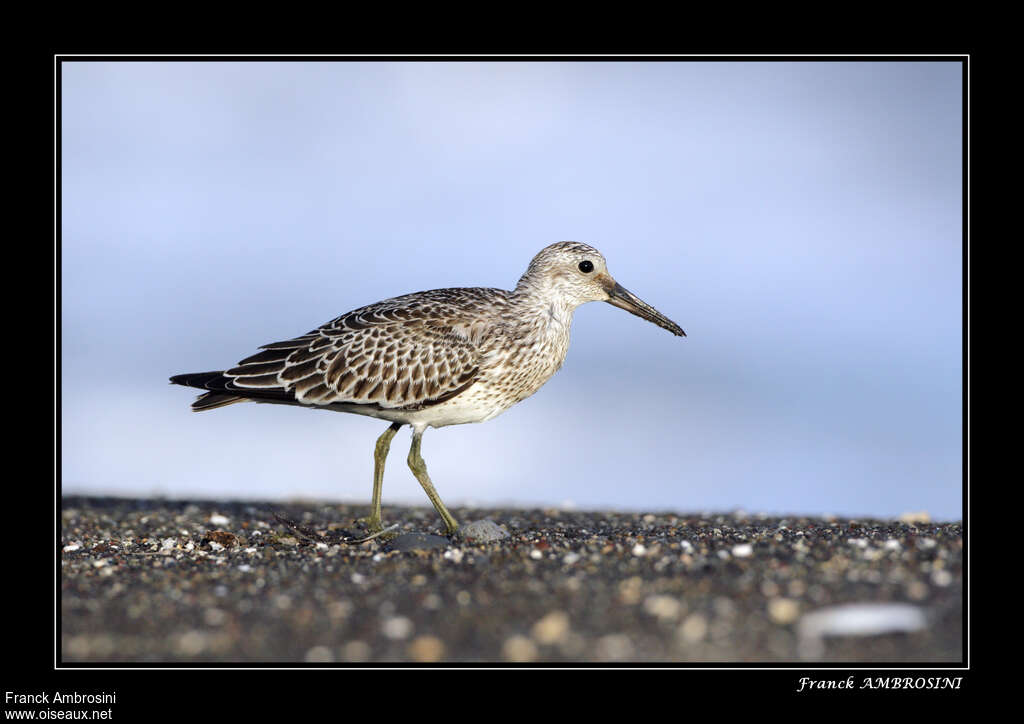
(371,523)
(301,531)
(385,534)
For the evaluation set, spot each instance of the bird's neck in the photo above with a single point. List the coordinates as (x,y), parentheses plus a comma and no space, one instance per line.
(543,308)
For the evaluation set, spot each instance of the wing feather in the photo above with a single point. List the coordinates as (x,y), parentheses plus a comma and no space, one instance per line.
(408,352)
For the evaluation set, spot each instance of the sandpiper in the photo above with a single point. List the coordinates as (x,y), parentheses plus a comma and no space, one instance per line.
(433,358)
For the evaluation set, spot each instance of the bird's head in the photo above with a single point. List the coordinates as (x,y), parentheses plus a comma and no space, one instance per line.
(577,273)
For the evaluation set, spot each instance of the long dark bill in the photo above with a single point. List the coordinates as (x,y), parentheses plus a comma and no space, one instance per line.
(625,299)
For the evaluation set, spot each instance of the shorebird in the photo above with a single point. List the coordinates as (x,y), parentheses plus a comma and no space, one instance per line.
(433,358)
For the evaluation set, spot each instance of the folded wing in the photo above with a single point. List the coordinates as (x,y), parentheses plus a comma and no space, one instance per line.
(400,353)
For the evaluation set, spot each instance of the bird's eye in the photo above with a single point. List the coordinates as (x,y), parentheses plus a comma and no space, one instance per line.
(586,266)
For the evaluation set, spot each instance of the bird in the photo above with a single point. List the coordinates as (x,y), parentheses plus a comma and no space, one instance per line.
(431,358)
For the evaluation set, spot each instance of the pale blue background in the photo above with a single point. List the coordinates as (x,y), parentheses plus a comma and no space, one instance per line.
(801,221)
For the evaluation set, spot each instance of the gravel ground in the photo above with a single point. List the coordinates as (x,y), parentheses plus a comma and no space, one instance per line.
(213,581)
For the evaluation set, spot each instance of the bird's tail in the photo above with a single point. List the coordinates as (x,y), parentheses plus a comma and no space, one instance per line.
(213,381)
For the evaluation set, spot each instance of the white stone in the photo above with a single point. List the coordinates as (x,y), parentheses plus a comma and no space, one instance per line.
(744,550)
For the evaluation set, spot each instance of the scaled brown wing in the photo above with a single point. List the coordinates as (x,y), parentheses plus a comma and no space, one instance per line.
(399,353)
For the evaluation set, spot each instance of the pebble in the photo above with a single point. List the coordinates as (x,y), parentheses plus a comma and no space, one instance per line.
(319,655)
(190,643)
(356,651)
(338,610)
(630,589)
(918,517)
(518,649)
(417,542)
(397,627)
(552,628)
(743,550)
(294,600)
(783,610)
(426,649)
(214,617)
(916,590)
(614,647)
(482,531)
(665,608)
(694,628)
(862,619)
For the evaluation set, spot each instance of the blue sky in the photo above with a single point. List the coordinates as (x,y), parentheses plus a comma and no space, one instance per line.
(802,221)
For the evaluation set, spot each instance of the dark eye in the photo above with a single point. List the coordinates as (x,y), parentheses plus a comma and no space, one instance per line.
(586,266)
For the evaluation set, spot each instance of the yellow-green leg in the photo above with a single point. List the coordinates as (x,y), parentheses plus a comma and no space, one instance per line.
(380,454)
(419,469)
